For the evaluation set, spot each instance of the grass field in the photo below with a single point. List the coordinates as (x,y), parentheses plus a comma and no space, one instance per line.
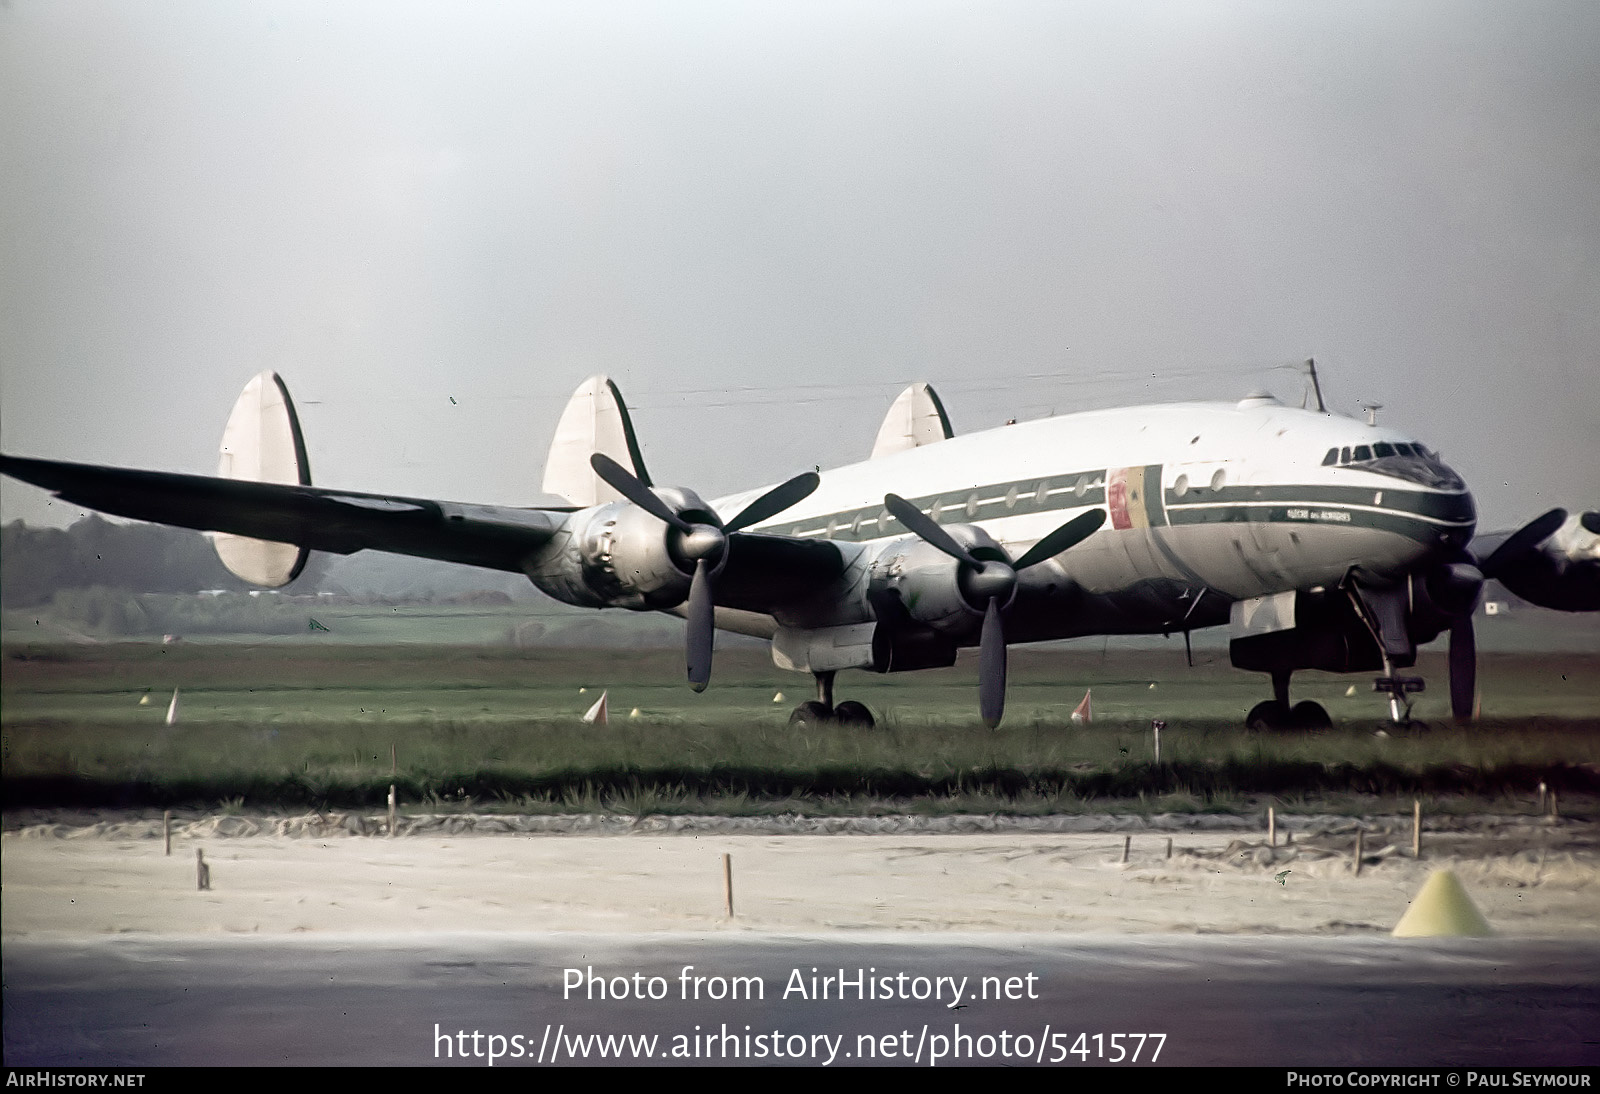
(302,725)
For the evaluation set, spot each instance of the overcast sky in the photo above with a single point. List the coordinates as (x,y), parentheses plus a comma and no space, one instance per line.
(763,219)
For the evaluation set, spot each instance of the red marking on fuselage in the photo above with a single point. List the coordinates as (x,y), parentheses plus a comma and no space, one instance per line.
(1117,497)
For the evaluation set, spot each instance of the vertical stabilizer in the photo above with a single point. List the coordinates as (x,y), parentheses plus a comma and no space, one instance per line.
(916,418)
(262,443)
(595,421)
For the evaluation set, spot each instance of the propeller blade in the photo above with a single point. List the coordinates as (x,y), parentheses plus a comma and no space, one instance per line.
(1463,669)
(992,667)
(1070,534)
(775,501)
(927,528)
(702,628)
(1524,539)
(614,475)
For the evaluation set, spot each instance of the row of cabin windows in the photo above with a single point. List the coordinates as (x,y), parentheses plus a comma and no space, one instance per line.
(1363,452)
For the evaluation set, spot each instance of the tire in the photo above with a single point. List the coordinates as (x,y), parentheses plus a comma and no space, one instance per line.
(811,714)
(1309,715)
(1267,716)
(853,714)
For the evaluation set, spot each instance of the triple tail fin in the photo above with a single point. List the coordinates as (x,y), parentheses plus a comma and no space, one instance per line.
(596,420)
(262,443)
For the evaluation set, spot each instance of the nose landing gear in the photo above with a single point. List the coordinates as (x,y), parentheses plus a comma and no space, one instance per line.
(821,711)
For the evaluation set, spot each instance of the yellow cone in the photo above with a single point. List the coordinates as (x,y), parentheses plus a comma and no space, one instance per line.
(778,698)
(1442,909)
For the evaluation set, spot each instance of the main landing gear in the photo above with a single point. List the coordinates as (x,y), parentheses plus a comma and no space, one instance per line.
(1276,713)
(821,711)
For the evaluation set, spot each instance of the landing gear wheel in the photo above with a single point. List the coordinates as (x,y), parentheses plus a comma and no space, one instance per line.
(1270,714)
(1309,715)
(853,714)
(811,714)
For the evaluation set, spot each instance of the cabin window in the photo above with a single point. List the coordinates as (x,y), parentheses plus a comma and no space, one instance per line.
(1219,480)
(972,507)
(1081,485)
(1344,454)
(1382,449)
(1181,486)
(1011,498)
(1363,453)
(1331,458)
(1043,496)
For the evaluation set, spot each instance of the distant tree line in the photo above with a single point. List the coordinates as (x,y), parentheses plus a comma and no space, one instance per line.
(38,563)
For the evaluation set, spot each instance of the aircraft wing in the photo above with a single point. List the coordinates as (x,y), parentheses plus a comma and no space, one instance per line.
(318,518)
(767,573)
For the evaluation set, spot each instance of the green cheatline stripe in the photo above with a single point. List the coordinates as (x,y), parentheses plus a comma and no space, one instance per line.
(1405,524)
(1412,527)
(1449,507)
(1154,511)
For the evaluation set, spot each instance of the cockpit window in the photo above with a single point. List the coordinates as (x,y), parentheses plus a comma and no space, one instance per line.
(1401,459)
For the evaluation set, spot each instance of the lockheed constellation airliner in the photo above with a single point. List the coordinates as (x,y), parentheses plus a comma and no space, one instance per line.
(1323,542)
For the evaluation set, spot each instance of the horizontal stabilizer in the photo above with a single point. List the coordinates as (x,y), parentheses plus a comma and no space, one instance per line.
(596,420)
(262,443)
(915,418)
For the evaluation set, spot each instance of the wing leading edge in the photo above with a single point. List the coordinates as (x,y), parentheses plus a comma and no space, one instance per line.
(318,518)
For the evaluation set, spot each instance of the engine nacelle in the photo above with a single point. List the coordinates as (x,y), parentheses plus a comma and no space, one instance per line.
(619,556)
(934,589)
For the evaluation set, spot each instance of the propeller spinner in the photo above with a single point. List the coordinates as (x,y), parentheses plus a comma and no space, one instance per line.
(990,583)
(706,544)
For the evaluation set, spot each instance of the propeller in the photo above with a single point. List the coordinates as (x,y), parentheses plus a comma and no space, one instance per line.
(990,582)
(706,544)
(1455,586)
(1463,668)
(1523,541)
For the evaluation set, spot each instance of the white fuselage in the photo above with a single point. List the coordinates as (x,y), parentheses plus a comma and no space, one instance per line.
(1222,501)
